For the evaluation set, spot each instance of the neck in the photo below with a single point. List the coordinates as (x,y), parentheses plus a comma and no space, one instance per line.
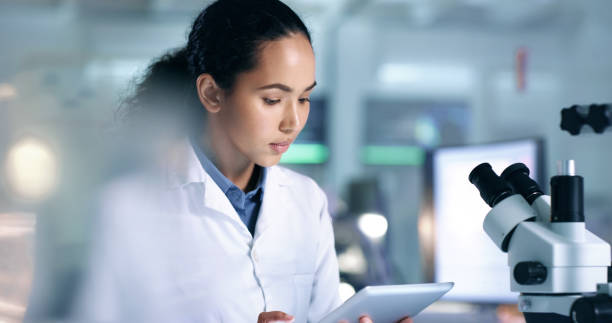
(230,162)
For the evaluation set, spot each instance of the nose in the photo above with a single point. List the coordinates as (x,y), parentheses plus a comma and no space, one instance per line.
(291,119)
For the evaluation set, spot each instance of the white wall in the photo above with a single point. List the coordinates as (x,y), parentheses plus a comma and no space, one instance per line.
(564,67)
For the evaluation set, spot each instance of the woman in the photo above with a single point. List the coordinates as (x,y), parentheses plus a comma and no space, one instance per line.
(230,237)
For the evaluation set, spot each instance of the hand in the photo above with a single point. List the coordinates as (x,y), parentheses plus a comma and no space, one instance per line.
(276,316)
(367,319)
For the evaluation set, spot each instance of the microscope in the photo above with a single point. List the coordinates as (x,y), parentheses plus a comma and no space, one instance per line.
(561,270)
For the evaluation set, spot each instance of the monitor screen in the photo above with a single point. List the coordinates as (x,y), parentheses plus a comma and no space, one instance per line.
(462,252)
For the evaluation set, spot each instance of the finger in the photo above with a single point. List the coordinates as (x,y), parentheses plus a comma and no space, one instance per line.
(266,317)
(365,319)
(406,319)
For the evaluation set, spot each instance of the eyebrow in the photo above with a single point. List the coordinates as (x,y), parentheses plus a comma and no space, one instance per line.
(284,87)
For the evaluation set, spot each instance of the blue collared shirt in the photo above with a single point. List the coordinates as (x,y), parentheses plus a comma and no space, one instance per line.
(247,205)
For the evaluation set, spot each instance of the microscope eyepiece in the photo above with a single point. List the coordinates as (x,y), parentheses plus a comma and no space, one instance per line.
(492,188)
(517,175)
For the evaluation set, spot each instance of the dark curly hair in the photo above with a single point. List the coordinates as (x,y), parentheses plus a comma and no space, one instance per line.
(224,41)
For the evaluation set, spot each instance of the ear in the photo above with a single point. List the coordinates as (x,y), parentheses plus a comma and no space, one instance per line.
(209,93)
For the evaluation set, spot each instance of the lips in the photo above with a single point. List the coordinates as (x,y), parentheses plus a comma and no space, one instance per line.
(280,147)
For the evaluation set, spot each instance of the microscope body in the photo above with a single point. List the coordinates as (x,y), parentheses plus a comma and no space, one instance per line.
(555,263)
(551,263)
(562,271)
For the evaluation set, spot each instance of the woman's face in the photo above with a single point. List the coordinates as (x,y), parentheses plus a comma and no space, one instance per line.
(269,105)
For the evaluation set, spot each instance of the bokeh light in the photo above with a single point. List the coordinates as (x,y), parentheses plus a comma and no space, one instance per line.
(373,225)
(31,169)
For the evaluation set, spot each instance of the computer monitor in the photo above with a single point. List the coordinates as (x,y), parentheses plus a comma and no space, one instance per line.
(460,250)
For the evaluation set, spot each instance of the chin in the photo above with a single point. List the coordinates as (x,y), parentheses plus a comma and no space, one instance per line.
(268,161)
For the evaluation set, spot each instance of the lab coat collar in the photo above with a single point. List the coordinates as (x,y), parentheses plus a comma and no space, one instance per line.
(184,168)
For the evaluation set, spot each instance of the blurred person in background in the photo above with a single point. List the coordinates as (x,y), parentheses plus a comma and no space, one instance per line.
(218,233)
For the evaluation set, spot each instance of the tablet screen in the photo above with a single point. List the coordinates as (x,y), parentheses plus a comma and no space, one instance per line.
(388,303)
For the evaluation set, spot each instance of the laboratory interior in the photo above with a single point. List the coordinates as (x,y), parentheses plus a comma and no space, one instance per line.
(411,96)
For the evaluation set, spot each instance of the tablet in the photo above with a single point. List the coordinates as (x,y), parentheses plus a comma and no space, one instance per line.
(388,304)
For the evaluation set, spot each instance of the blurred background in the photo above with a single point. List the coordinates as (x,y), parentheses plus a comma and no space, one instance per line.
(412,94)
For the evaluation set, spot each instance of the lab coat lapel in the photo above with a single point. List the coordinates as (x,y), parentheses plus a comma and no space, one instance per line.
(215,199)
(187,174)
(275,200)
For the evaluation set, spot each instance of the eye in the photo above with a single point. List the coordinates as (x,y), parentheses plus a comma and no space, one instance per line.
(304,100)
(271,101)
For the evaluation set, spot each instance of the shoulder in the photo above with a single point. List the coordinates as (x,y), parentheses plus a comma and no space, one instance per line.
(130,188)
(127,200)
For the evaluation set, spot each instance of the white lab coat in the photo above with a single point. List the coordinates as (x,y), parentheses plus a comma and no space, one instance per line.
(182,254)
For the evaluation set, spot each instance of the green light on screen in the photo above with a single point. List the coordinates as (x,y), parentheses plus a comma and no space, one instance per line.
(393,155)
